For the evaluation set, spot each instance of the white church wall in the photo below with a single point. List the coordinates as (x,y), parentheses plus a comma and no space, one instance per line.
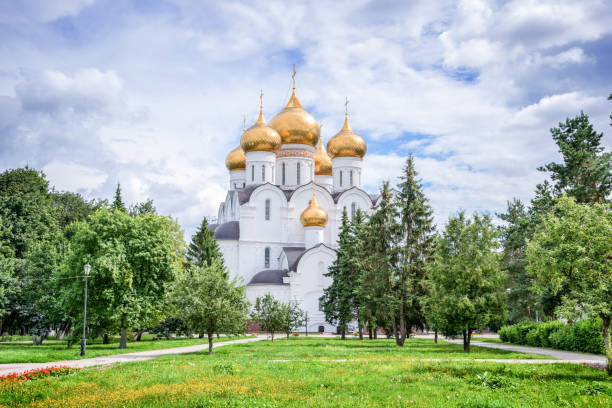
(257,227)
(280,292)
(299,202)
(231,256)
(341,172)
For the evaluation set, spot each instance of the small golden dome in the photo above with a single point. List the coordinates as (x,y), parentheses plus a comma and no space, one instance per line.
(346,143)
(313,215)
(295,125)
(323,164)
(236,160)
(260,137)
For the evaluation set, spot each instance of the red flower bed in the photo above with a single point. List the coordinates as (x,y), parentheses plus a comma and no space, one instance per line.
(52,371)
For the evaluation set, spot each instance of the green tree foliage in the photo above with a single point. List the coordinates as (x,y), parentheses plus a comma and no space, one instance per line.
(377,258)
(523,302)
(415,249)
(118,201)
(586,171)
(267,313)
(572,251)
(133,260)
(208,302)
(292,317)
(146,207)
(203,248)
(467,282)
(7,281)
(338,300)
(71,207)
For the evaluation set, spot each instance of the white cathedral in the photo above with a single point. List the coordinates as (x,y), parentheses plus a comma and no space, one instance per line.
(279,224)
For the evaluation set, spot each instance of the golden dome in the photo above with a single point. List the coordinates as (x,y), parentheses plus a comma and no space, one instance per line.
(236,160)
(346,143)
(295,125)
(323,164)
(313,215)
(260,137)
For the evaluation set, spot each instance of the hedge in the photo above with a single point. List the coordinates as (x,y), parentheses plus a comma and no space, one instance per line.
(583,336)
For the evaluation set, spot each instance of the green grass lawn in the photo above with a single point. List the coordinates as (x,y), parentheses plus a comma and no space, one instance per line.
(321,373)
(56,350)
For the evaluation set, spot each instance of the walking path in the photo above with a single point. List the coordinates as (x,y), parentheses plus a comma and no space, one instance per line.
(120,358)
(562,356)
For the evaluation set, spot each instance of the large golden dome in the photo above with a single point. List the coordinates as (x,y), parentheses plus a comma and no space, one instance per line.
(323,164)
(236,160)
(260,137)
(346,143)
(313,215)
(295,125)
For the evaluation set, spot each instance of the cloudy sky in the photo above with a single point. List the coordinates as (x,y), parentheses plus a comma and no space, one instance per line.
(152,94)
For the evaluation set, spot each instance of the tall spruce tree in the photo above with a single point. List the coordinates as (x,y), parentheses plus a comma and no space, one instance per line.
(586,171)
(203,249)
(415,238)
(377,256)
(363,317)
(523,302)
(338,301)
(118,201)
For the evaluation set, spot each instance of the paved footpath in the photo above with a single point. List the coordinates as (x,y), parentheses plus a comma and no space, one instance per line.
(120,358)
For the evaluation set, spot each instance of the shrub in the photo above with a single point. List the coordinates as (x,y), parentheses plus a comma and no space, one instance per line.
(36,373)
(583,336)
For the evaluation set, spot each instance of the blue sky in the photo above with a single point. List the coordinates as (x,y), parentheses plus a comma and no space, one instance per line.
(152,94)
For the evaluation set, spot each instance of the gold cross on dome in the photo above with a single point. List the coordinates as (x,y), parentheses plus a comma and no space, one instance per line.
(293,76)
(260,99)
(346,106)
(243,123)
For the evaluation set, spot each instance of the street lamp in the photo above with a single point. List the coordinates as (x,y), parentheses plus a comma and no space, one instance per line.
(86,268)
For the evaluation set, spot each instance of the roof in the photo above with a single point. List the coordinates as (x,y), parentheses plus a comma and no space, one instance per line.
(297,261)
(228,231)
(212,227)
(293,254)
(269,277)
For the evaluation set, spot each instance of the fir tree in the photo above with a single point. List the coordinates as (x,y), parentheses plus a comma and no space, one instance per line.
(416,233)
(118,201)
(203,249)
(337,300)
(586,171)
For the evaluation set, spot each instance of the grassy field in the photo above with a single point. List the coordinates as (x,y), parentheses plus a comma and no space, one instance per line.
(321,373)
(54,350)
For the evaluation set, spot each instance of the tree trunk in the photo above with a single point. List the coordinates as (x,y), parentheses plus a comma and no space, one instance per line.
(370,334)
(201,336)
(395,333)
(138,335)
(210,343)
(605,331)
(436,337)
(123,340)
(272,334)
(288,335)
(375,330)
(467,337)
(360,329)
(343,333)
(106,339)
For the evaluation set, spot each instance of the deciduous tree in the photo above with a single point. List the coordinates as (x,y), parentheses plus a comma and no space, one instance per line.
(268,315)
(572,251)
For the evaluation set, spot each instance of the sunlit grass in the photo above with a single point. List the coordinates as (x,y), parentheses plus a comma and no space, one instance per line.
(322,373)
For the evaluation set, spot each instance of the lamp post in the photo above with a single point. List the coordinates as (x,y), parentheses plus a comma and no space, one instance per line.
(86,268)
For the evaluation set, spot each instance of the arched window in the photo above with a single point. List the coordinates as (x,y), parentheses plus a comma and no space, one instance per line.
(252,172)
(340,178)
(267,209)
(284,174)
(267,258)
(351,177)
(263,173)
(353,210)
(298,174)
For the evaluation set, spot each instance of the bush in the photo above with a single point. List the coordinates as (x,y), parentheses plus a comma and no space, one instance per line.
(582,336)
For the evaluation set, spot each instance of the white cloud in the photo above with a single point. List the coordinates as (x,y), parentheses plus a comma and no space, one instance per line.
(74,177)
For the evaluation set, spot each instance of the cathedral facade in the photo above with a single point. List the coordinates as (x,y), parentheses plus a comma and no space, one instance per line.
(279,224)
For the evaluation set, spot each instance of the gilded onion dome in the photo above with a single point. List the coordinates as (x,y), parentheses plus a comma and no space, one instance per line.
(313,215)
(323,164)
(236,160)
(346,143)
(295,125)
(260,137)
